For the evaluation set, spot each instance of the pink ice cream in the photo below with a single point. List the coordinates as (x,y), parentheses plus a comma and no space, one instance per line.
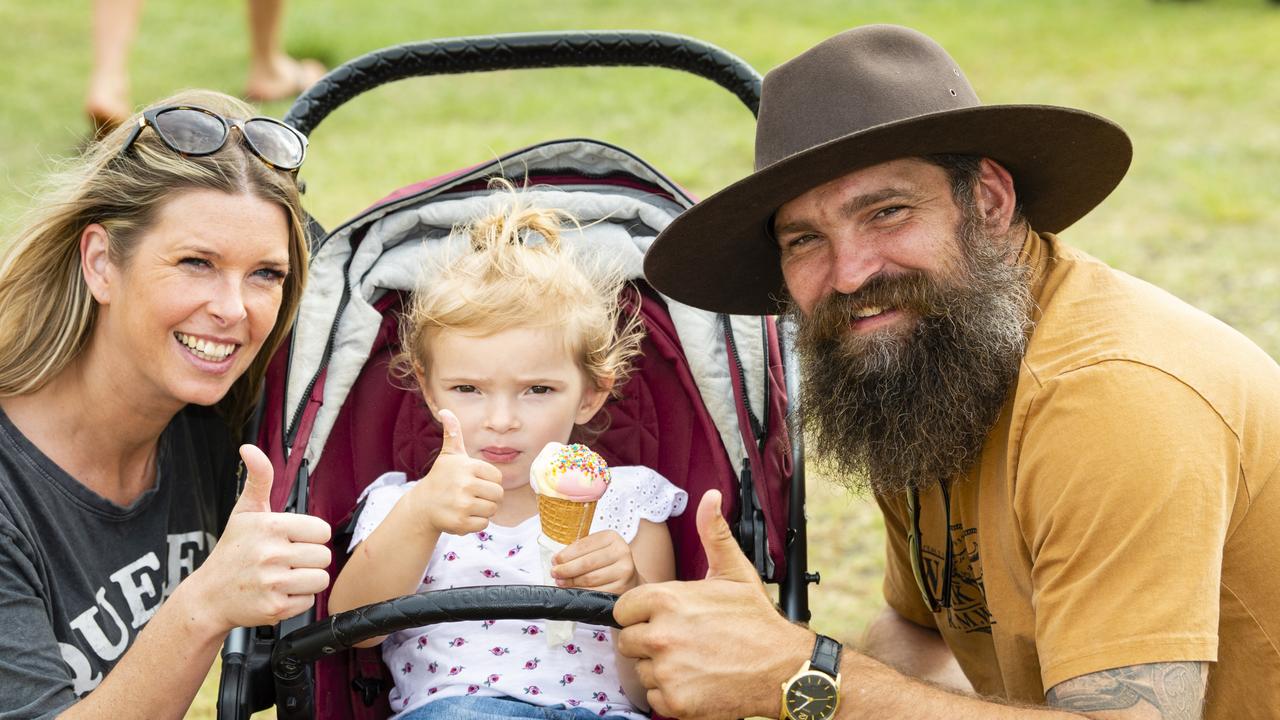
(570,472)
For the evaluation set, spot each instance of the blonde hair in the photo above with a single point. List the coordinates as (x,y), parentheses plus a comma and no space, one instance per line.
(504,279)
(47,313)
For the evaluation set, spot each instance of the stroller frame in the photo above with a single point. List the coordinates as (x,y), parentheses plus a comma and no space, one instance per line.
(250,681)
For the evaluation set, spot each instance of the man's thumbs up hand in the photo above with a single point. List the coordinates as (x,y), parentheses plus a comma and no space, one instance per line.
(725,560)
(712,648)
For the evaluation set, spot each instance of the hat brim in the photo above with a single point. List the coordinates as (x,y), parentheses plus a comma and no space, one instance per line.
(719,256)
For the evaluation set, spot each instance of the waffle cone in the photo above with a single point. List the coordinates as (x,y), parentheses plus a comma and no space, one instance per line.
(565,520)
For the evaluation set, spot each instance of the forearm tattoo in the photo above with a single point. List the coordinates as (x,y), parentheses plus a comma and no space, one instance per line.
(1176,690)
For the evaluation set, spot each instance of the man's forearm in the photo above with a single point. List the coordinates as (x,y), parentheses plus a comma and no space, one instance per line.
(916,651)
(869,688)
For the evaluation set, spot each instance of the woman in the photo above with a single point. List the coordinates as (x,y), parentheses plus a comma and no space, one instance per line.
(138,311)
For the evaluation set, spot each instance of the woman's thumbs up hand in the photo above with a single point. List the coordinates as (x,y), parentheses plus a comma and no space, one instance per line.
(267,566)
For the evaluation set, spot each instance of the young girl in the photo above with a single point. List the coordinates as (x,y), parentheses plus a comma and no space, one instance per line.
(512,346)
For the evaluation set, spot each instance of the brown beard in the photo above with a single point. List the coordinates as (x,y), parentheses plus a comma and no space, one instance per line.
(898,410)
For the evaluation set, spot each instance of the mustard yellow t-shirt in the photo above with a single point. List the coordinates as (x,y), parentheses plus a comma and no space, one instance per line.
(1126,507)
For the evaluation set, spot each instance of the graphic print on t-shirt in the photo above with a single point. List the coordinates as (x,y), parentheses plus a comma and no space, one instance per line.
(968,608)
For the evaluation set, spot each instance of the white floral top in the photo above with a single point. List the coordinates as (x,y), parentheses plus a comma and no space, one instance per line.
(512,657)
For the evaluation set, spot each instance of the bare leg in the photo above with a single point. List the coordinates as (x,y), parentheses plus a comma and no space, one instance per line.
(273,75)
(115,23)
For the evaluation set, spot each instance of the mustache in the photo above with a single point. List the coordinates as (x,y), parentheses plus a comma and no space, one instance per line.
(912,290)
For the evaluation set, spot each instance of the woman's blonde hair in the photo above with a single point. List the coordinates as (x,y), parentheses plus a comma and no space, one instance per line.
(47,313)
(505,278)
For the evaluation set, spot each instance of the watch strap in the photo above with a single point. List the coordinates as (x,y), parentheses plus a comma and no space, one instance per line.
(826,656)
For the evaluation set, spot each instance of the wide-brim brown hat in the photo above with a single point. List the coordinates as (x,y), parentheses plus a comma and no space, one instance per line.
(867,96)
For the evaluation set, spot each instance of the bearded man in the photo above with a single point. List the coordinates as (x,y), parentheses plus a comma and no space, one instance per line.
(1079,473)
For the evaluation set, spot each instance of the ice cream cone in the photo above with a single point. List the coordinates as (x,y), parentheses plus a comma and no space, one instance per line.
(565,521)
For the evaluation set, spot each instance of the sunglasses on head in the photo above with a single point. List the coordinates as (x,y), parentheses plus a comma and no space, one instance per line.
(194,132)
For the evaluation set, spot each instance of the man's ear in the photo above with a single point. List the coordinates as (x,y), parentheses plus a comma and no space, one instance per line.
(995,196)
(593,399)
(95,262)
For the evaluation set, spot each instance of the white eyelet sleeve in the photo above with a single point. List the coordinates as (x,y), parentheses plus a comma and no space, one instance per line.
(381,495)
(637,493)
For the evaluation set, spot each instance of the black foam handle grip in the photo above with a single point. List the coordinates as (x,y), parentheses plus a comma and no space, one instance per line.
(514,602)
(524,51)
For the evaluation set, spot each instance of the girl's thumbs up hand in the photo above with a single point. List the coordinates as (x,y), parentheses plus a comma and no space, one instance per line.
(460,493)
(452,443)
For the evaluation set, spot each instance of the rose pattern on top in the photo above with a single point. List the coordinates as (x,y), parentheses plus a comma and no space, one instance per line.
(576,683)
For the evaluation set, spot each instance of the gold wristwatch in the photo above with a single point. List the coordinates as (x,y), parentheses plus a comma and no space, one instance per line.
(813,693)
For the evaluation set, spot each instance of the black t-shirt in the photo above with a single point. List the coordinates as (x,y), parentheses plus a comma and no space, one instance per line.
(80,575)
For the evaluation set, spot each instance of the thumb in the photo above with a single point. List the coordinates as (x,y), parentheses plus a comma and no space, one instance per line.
(452,443)
(256,495)
(724,558)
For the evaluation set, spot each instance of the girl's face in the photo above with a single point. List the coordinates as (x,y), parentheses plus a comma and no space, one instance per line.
(513,391)
(184,317)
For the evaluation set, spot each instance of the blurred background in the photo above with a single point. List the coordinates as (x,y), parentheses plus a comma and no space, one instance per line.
(1195,83)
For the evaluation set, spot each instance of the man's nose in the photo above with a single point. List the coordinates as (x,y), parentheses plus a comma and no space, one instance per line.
(853,263)
(227,303)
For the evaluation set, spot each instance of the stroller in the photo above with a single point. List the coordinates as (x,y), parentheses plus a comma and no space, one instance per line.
(705,407)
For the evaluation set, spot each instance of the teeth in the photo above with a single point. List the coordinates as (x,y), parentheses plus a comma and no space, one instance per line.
(868,312)
(204,349)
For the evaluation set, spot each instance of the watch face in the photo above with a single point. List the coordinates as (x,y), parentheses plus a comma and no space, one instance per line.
(811,696)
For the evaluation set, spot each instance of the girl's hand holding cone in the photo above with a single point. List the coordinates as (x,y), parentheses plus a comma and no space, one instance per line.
(600,561)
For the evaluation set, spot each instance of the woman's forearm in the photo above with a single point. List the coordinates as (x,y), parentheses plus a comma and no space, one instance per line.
(160,674)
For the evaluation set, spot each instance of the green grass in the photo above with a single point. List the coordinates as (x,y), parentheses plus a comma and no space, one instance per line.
(1194,83)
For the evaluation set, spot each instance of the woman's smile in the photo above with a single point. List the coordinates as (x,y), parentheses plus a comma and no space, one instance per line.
(207,350)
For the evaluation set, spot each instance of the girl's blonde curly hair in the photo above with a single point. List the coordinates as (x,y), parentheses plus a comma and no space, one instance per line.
(516,272)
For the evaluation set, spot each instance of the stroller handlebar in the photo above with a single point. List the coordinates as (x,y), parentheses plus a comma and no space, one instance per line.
(518,602)
(485,53)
